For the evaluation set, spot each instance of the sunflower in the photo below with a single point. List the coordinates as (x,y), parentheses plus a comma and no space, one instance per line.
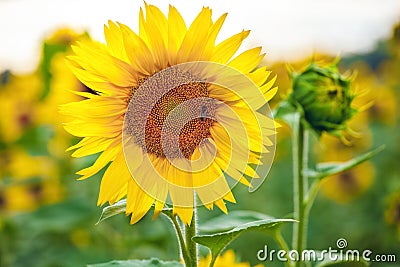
(176,114)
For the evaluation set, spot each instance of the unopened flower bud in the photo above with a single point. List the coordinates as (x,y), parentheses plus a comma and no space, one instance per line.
(325,97)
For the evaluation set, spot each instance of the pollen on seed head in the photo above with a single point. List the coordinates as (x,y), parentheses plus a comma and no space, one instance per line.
(162,113)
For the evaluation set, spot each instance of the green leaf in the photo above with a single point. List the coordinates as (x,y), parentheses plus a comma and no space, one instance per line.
(234,218)
(139,263)
(112,210)
(57,218)
(330,168)
(217,242)
(35,140)
(48,52)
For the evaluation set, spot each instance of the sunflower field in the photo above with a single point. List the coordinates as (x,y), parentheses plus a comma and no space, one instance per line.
(164,146)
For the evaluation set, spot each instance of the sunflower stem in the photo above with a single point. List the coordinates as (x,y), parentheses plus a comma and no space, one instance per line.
(184,251)
(190,231)
(282,244)
(300,187)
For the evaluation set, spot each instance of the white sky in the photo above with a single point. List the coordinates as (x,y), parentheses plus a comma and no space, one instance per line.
(285,28)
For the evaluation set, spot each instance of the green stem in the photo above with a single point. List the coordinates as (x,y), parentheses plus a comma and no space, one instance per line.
(282,244)
(213,259)
(312,193)
(184,251)
(190,231)
(300,186)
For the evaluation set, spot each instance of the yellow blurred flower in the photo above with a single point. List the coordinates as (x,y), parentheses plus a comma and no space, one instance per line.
(227,259)
(331,148)
(118,70)
(380,94)
(19,95)
(34,181)
(346,186)
(16,198)
(27,196)
(384,108)
(65,36)
(392,213)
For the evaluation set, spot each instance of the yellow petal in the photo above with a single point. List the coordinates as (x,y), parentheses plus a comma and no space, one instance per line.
(138,202)
(108,155)
(93,80)
(259,76)
(212,36)
(115,41)
(115,178)
(184,213)
(138,52)
(247,61)
(156,32)
(176,33)
(96,107)
(226,49)
(95,58)
(193,44)
(95,146)
(221,205)
(90,128)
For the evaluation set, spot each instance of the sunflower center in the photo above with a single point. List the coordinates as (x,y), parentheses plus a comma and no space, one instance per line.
(170,122)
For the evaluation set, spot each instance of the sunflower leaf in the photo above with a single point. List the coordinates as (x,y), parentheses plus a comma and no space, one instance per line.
(217,242)
(330,168)
(112,210)
(228,222)
(139,263)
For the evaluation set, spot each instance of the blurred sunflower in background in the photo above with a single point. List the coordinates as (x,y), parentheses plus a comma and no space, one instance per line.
(392,212)
(19,95)
(126,65)
(346,186)
(30,181)
(31,133)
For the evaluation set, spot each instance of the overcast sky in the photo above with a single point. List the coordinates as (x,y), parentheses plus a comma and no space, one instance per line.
(285,28)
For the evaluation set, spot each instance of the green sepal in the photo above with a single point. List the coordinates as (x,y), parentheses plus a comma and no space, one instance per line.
(112,210)
(291,112)
(285,111)
(120,207)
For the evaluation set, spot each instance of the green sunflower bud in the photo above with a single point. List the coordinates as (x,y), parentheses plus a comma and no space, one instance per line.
(324,96)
